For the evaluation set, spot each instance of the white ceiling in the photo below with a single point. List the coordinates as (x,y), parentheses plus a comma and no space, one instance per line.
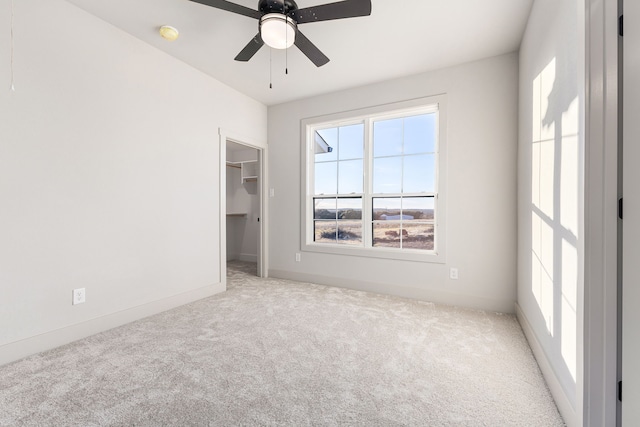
(401,37)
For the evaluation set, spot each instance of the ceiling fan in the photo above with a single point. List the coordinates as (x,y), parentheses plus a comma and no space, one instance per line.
(279,20)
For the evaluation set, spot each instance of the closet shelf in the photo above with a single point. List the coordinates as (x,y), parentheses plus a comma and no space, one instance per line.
(237,215)
(248,170)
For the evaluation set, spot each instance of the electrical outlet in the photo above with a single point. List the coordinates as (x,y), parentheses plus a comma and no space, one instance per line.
(272,192)
(453,273)
(298,257)
(79,296)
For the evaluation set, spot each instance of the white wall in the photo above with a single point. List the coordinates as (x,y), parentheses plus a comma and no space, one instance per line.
(109,176)
(481,189)
(550,190)
(242,233)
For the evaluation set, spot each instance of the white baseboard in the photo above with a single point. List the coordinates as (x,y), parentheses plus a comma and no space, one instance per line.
(248,257)
(430,295)
(46,341)
(563,403)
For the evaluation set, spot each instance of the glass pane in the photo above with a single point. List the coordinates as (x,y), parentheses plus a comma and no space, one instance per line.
(419,174)
(387,175)
(417,235)
(387,209)
(325,231)
(331,137)
(324,208)
(350,177)
(418,208)
(350,208)
(350,232)
(351,142)
(387,138)
(420,134)
(386,234)
(326,178)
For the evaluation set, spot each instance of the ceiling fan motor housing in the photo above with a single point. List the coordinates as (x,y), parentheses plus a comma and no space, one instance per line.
(277,6)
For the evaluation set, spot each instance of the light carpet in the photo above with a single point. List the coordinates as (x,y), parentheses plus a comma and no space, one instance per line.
(274,352)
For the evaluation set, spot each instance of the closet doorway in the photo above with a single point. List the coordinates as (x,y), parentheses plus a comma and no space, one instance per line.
(244,182)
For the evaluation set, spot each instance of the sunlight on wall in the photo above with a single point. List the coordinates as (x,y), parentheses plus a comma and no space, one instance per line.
(554,216)
(569,187)
(569,169)
(568,347)
(542,191)
(542,268)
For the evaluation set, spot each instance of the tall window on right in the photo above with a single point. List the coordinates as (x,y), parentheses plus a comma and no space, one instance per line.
(403,181)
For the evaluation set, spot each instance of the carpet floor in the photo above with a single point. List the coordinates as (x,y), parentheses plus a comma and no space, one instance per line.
(273,352)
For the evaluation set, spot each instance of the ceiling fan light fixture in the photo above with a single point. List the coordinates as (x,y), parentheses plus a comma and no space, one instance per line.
(277,30)
(169,33)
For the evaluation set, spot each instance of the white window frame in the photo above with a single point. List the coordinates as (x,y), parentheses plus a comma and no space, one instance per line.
(368,115)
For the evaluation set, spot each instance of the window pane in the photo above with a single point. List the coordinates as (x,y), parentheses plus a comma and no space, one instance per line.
(326,178)
(418,208)
(417,235)
(386,234)
(324,208)
(350,208)
(420,134)
(351,142)
(331,137)
(387,138)
(387,175)
(386,209)
(419,174)
(325,231)
(350,177)
(350,232)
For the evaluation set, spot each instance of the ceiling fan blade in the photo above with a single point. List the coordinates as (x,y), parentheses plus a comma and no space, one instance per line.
(250,49)
(310,50)
(231,7)
(338,10)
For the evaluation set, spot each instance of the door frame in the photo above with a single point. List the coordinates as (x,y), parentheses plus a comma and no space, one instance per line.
(600,297)
(263,236)
(630,224)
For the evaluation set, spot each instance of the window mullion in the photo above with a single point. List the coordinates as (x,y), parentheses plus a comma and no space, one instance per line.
(337,186)
(368,184)
(402,186)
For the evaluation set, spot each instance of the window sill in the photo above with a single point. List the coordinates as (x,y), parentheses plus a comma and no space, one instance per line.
(403,255)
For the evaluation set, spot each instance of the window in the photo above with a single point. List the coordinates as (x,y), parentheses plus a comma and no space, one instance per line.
(339,186)
(374,182)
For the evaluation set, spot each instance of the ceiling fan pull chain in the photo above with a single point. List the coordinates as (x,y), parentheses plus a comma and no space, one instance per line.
(286,38)
(270,68)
